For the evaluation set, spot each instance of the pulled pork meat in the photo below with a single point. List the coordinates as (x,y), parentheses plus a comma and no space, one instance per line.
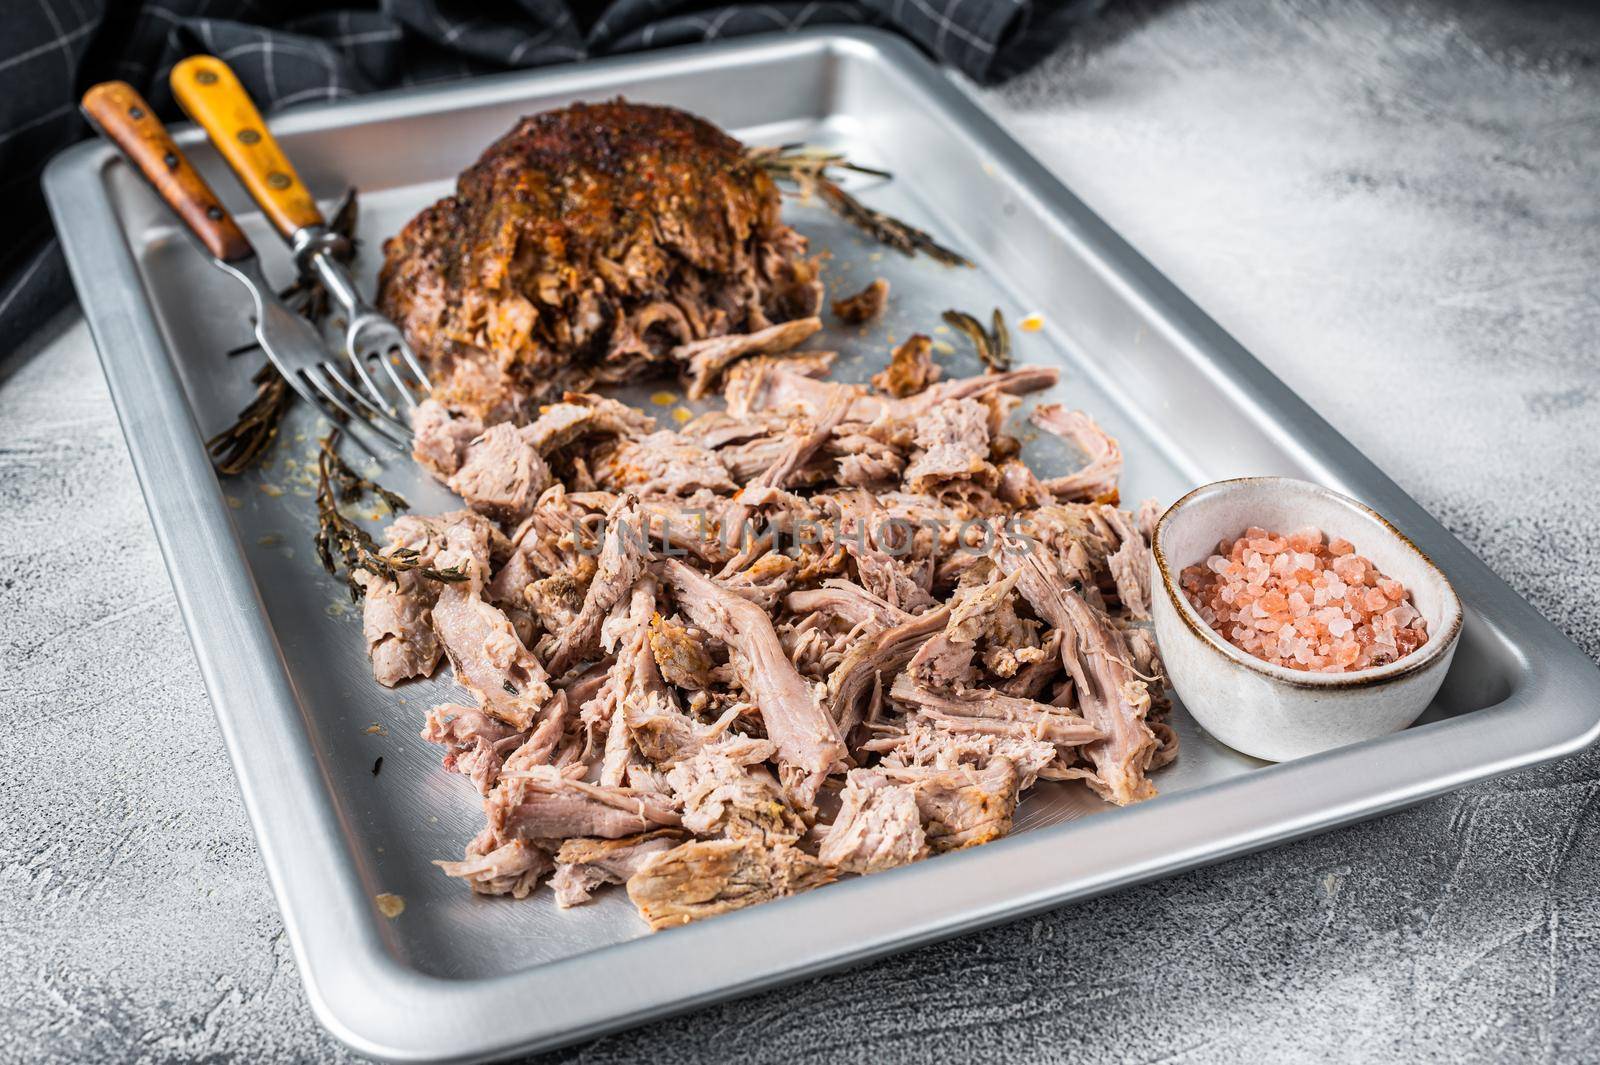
(879,826)
(706,877)
(1096,482)
(828,629)
(719,695)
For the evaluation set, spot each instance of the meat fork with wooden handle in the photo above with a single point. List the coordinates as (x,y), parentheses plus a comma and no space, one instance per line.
(210,93)
(290,342)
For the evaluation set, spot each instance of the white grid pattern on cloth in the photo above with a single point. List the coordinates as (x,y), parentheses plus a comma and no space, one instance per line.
(40,52)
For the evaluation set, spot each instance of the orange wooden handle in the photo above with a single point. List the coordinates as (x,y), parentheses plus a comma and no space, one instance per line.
(210,93)
(126,120)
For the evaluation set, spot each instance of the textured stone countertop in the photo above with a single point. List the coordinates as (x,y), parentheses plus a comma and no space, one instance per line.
(1394,206)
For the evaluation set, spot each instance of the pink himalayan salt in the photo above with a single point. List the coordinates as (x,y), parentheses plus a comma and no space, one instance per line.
(1304,602)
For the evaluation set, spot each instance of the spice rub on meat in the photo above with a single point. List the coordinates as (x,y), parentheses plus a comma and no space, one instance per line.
(589,244)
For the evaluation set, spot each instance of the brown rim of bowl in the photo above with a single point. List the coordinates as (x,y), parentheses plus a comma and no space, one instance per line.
(1419,659)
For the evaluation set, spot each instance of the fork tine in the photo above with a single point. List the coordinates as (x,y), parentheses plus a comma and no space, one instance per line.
(415,365)
(394,375)
(378,415)
(356,433)
(374,397)
(307,389)
(327,393)
(321,382)
(356,428)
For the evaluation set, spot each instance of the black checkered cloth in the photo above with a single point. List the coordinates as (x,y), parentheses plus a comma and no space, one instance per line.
(292,52)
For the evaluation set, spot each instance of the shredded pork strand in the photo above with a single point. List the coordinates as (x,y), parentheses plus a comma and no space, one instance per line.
(719,695)
(826,630)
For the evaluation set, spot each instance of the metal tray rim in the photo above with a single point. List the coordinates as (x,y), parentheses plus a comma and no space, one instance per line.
(380,1007)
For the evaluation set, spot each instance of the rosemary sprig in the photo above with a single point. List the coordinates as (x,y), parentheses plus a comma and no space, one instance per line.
(993,344)
(343,543)
(800,162)
(239,446)
(807,169)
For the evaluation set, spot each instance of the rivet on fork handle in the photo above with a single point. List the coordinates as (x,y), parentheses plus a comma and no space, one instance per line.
(117,109)
(210,93)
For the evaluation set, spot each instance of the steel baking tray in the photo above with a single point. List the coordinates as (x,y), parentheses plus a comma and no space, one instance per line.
(457,977)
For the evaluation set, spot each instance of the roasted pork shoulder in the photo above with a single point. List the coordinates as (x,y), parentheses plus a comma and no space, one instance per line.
(591,244)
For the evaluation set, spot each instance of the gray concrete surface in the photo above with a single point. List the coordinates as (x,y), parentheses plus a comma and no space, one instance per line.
(1394,205)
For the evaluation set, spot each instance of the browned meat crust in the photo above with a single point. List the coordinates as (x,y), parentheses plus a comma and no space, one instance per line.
(911,368)
(865,305)
(586,244)
(711,876)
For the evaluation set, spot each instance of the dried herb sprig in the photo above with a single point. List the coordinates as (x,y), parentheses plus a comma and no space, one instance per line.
(342,543)
(802,163)
(239,446)
(993,344)
(807,169)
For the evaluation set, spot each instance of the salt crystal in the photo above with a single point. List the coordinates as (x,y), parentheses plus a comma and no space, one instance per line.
(1298,601)
(1401,615)
(1307,539)
(1349,569)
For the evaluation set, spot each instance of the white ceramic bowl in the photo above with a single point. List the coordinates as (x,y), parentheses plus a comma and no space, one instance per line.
(1269,711)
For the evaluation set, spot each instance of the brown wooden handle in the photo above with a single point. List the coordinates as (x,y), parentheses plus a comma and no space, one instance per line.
(210,93)
(126,120)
